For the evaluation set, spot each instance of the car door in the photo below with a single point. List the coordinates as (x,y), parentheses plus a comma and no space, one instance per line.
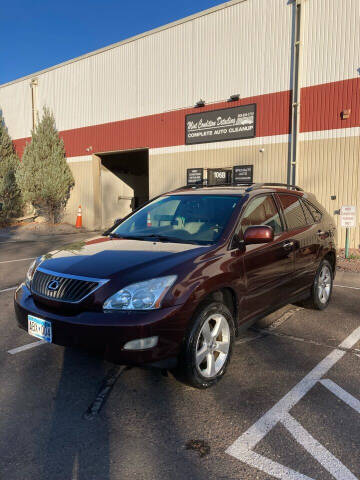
(268,267)
(303,231)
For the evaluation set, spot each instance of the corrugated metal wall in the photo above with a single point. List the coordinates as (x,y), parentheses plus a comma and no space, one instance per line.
(233,50)
(329,155)
(168,171)
(331,32)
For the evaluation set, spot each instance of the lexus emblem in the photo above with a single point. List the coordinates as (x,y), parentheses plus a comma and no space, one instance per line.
(53,285)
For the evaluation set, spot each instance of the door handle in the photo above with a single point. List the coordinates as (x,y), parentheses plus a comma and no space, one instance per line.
(288,245)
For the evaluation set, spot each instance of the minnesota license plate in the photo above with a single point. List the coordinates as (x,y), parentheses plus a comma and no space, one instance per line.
(40,328)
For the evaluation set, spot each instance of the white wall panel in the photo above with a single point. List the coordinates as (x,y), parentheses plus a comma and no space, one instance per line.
(15,105)
(242,50)
(165,77)
(68,92)
(115,84)
(331,32)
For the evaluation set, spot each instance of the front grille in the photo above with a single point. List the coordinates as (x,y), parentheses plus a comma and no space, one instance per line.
(69,288)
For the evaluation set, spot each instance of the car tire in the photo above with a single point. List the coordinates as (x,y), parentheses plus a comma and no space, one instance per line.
(208,346)
(322,287)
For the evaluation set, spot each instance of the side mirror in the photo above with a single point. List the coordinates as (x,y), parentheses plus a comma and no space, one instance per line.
(258,234)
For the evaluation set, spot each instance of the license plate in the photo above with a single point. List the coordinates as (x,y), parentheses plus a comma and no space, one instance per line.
(40,328)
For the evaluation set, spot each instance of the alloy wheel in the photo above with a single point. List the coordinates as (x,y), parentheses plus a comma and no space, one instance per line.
(324,284)
(213,345)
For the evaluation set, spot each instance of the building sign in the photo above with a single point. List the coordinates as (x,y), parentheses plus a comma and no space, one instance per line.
(348,216)
(218,176)
(243,174)
(218,125)
(194,176)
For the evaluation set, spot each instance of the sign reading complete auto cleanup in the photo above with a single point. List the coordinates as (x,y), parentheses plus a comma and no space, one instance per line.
(219,125)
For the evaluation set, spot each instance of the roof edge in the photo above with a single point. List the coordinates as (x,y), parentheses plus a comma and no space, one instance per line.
(189,18)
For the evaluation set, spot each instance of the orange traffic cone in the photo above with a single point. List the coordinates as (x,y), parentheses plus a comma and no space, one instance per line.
(148,222)
(79,218)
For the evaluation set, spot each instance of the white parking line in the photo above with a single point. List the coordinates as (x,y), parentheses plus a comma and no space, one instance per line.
(342,394)
(8,289)
(26,347)
(242,448)
(311,445)
(18,260)
(345,286)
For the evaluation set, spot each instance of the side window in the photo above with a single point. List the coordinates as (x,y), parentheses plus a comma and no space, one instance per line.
(314,211)
(294,213)
(261,211)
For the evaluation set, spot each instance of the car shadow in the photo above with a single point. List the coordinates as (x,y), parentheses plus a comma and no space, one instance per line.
(77,448)
(154,416)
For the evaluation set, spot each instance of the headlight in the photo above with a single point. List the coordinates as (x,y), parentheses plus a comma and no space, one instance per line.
(31,271)
(141,296)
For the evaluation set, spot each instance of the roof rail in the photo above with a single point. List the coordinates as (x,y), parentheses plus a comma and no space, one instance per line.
(256,186)
(249,186)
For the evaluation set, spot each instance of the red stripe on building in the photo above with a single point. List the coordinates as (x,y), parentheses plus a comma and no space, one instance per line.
(321,108)
(321,105)
(167,129)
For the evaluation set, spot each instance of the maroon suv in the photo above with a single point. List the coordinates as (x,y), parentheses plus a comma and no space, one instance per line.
(176,281)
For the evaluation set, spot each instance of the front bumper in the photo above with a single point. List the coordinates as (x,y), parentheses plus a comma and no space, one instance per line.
(107,333)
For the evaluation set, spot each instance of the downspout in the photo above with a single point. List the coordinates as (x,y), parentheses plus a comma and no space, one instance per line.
(34,110)
(295,106)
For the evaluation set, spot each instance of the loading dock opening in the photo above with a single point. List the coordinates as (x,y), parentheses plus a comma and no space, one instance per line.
(124,179)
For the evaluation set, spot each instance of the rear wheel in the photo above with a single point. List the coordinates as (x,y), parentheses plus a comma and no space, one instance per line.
(208,346)
(322,286)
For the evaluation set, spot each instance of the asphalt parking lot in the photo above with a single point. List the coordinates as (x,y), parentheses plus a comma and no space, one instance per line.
(289,406)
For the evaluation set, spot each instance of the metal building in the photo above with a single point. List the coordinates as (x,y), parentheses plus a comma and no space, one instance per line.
(127,117)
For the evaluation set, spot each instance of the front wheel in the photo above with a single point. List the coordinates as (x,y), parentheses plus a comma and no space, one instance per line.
(208,346)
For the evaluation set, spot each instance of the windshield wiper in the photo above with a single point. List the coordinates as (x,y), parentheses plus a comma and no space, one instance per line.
(162,238)
(154,237)
(126,237)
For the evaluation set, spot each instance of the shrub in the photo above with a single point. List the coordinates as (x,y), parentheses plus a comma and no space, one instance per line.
(44,176)
(10,196)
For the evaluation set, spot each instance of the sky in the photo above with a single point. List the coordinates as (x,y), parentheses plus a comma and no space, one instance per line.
(38,34)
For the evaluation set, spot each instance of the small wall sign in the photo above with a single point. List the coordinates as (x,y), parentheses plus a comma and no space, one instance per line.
(194,176)
(243,174)
(218,176)
(348,216)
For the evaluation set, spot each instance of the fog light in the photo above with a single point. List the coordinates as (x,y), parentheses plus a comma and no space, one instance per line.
(141,343)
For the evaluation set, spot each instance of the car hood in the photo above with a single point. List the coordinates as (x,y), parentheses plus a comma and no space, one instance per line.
(108,257)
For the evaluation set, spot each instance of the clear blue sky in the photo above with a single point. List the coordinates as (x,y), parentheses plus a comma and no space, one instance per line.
(40,33)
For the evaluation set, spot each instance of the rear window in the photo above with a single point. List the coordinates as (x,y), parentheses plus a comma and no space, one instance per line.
(294,212)
(316,214)
(309,218)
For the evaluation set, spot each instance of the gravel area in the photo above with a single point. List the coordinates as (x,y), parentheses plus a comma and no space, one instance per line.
(33,230)
(351,264)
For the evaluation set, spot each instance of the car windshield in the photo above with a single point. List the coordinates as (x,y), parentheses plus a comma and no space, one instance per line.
(199,219)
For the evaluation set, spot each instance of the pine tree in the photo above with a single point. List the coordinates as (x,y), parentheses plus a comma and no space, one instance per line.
(10,196)
(44,176)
